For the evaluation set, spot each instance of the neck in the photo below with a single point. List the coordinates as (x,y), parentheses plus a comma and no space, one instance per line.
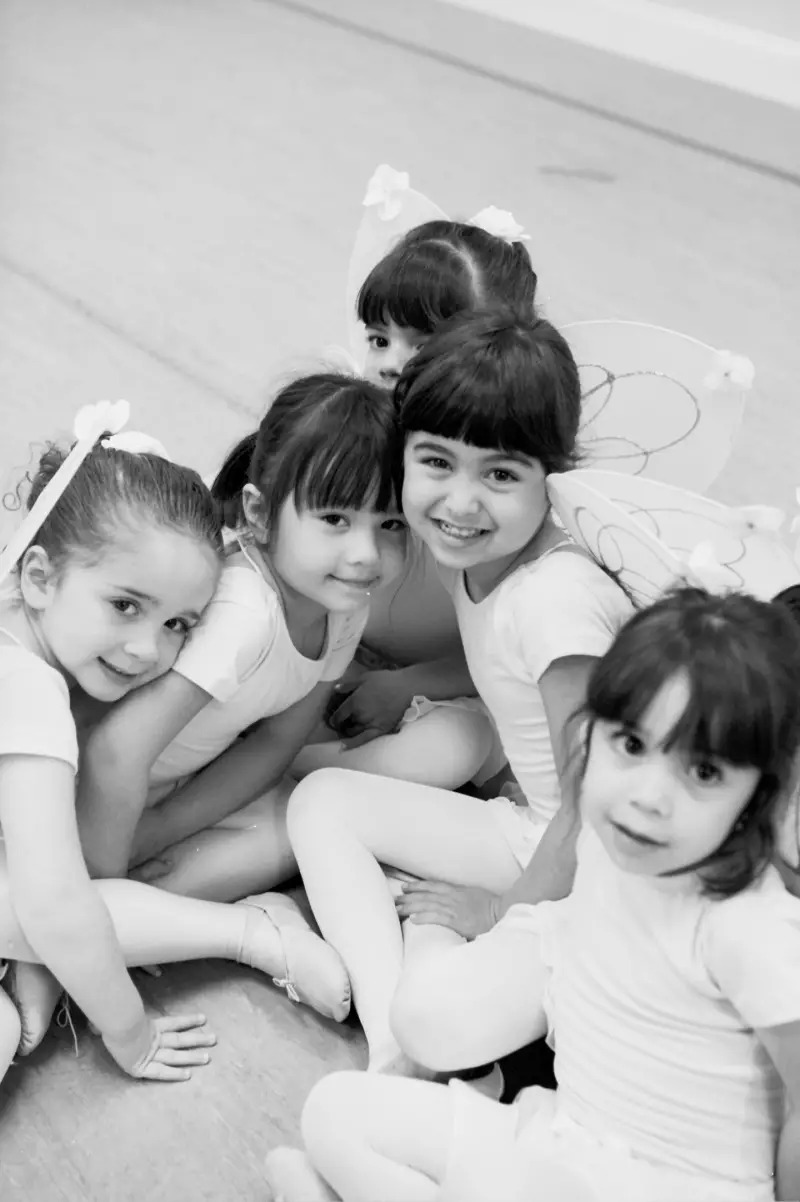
(302,613)
(484,578)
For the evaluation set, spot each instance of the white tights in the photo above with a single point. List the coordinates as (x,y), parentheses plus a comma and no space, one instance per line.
(443,748)
(343,826)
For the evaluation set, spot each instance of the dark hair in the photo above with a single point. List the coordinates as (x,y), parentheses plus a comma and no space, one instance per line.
(113,487)
(443,268)
(741,658)
(328,440)
(496,380)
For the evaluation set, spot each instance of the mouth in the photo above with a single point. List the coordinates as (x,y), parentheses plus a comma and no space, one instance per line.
(118,673)
(460,534)
(636,836)
(358,584)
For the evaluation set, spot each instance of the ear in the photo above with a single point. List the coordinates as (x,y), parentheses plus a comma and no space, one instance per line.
(254,510)
(37,578)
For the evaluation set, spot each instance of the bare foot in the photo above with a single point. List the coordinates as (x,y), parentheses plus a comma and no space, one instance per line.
(292,1178)
(10,1032)
(278,941)
(35,992)
(490,1082)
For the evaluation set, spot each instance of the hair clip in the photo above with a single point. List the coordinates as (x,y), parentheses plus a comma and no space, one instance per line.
(384,191)
(501,224)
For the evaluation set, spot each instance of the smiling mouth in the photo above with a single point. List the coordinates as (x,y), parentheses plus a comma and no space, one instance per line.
(118,672)
(464,534)
(361,584)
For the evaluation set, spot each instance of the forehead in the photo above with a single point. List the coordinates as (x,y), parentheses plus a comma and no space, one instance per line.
(667,708)
(174,569)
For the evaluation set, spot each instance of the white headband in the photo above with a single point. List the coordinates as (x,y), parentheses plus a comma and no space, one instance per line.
(91,423)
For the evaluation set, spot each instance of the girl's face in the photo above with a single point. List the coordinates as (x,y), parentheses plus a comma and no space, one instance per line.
(471,506)
(389,348)
(337,557)
(118,623)
(657,811)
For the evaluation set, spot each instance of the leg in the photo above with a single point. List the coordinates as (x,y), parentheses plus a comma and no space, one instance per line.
(444,748)
(266,933)
(373,1139)
(245,853)
(471,1003)
(10,1032)
(343,826)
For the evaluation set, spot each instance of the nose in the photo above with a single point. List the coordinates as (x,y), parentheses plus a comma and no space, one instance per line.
(143,646)
(393,361)
(462,498)
(652,789)
(362,548)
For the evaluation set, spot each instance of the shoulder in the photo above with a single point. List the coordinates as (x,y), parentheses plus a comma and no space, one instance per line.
(751,945)
(567,576)
(35,716)
(235,634)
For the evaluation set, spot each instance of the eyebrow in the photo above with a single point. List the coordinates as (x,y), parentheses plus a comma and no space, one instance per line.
(492,456)
(134,592)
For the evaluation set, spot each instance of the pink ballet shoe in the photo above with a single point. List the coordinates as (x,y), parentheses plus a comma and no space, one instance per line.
(308,968)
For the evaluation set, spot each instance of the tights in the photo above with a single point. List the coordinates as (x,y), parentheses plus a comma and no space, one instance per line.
(343,826)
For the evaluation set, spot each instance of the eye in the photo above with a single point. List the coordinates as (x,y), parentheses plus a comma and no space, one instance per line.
(378,342)
(706,772)
(502,476)
(337,520)
(394,525)
(436,462)
(628,742)
(179,626)
(126,607)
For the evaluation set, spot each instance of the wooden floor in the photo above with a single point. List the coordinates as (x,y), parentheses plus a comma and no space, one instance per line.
(179,184)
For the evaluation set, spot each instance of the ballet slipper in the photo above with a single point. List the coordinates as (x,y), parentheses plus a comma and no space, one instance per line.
(308,968)
(292,1177)
(35,992)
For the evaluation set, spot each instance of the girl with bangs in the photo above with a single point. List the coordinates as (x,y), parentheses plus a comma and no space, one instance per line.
(669,980)
(409,679)
(168,788)
(489,407)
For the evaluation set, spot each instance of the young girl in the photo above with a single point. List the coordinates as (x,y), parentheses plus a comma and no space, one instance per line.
(118,558)
(489,407)
(411,659)
(314,496)
(672,971)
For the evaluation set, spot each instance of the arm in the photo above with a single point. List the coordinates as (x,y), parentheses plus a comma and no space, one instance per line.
(439,679)
(246,770)
(783,1045)
(58,908)
(115,769)
(550,873)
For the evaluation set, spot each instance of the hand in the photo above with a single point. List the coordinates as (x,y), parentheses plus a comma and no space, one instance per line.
(161,1049)
(374,707)
(465,909)
(150,871)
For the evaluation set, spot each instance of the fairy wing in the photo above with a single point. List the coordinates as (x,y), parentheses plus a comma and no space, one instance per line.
(391,209)
(653,536)
(657,403)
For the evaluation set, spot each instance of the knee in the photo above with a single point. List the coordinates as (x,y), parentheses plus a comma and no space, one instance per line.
(316,796)
(330,1111)
(421,1020)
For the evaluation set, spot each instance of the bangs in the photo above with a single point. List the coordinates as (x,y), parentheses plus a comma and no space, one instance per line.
(417,288)
(727,715)
(359,472)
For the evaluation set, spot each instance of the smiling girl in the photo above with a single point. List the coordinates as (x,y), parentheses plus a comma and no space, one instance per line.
(489,407)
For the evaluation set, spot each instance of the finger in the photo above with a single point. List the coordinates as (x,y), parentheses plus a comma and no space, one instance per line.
(152,970)
(344,712)
(434,888)
(180,1022)
(425,907)
(433,918)
(178,1058)
(199,1038)
(156,1071)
